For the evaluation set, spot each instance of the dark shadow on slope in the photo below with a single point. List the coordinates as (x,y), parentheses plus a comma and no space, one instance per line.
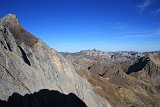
(138,65)
(43,98)
(26,60)
(9,47)
(3,103)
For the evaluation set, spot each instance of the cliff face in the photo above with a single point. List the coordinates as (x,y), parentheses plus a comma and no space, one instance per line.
(28,65)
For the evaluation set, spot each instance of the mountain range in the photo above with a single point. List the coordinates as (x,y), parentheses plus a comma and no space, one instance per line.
(33,74)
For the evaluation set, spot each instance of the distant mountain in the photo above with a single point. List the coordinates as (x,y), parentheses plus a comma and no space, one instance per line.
(114,56)
(126,79)
(121,55)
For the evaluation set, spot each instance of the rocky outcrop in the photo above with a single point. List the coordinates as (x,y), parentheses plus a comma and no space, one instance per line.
(28,65)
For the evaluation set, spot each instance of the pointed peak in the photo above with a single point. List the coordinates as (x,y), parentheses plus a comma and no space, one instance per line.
(10,15)
(20,34)
(10,19)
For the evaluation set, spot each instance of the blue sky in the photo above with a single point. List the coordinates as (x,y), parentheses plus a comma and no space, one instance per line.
(74,25)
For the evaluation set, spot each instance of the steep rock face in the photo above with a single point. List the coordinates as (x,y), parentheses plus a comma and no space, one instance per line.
(27,65)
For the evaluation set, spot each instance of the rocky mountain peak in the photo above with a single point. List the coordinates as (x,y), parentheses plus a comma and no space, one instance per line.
(10,20)
(10,16)
(11,23)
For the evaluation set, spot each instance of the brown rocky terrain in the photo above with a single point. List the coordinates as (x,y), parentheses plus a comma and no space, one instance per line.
(133,82)
(28,65)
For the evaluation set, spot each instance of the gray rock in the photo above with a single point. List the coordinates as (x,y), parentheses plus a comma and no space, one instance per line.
(28,65)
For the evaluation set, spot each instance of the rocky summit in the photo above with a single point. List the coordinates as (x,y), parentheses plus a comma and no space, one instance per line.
(28,65)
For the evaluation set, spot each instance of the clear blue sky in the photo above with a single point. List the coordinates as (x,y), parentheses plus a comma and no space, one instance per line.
(74,25)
